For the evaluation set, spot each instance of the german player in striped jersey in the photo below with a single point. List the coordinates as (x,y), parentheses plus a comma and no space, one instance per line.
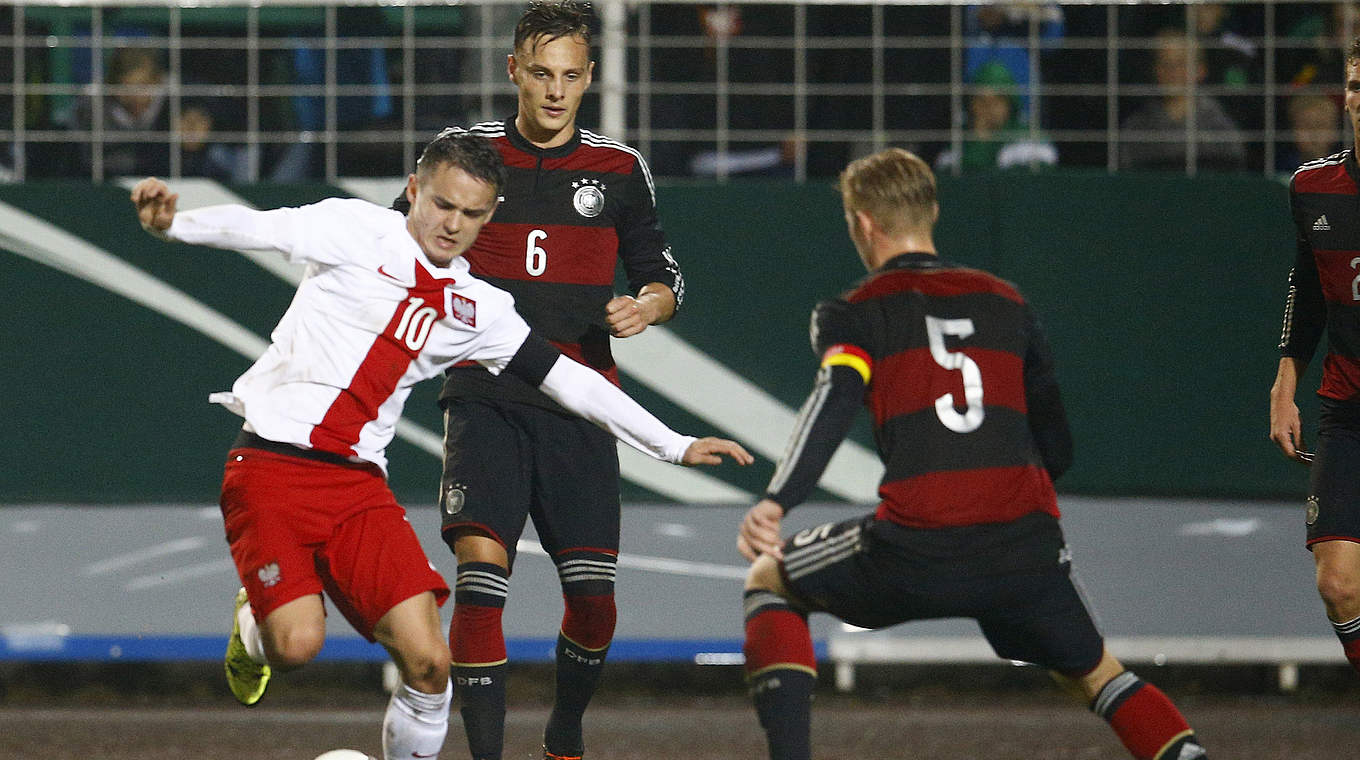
(1324,297)
(387,301)
(960,385)
(577,206)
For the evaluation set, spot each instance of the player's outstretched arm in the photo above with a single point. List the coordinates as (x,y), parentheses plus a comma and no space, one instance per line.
(584,392)
(155,205)
(759,531)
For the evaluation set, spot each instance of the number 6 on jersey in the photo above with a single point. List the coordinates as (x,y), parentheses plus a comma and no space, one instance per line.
(535,258)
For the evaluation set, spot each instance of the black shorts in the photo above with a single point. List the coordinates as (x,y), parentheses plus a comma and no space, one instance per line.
(1333,511)
(504,461)
(1012,578)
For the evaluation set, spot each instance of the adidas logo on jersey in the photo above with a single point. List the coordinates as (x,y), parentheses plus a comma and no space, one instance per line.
(1321,224)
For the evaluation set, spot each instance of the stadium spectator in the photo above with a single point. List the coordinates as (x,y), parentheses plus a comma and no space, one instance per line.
(578,203)
(136,102)
(305,500)
(1312,51)
(995,138)
(1159,134)
(1323,201)
(202,157)
(999,33)
(1231,59)
(1314,130)
(968,525)
(1231,55)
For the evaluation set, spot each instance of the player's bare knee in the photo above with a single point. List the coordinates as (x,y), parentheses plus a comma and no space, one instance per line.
(292,647)
(474,545)
(426,669)
(764,575)
(436,657)
(1340,590)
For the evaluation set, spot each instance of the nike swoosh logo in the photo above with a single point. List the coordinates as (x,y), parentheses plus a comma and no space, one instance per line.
(384,273)
(417,754)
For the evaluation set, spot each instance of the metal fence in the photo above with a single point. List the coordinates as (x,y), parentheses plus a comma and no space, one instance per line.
(248,91)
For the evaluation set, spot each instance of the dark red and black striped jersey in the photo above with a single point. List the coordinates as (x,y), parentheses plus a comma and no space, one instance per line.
(959,381)
(568,217)
(1324,283)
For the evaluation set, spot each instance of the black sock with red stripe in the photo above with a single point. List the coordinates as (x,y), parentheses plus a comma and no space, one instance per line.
(1146,721)
(781,671)
(582,645)
(1349,633)
(477,644)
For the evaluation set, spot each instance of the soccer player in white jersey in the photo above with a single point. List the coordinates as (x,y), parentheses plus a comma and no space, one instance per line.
(387,301)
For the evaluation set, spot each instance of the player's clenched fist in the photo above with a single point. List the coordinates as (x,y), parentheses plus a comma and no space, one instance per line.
(711,451)
(627,316)
(155,204)
(759,532)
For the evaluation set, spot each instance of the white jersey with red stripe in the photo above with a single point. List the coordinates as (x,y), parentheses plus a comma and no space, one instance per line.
(372,317)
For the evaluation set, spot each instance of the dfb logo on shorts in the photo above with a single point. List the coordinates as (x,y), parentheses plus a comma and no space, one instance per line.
(453,498)
(1311,514)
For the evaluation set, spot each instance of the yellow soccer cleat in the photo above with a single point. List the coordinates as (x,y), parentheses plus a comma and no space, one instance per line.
(246,678)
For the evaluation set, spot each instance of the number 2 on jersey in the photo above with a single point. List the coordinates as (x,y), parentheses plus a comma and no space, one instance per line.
(535,258)
(971,419)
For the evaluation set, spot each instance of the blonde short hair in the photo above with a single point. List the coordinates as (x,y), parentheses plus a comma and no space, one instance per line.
(894,187)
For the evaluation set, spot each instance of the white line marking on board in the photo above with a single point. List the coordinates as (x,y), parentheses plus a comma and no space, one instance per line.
(654,564)
(181,574)
(164,549)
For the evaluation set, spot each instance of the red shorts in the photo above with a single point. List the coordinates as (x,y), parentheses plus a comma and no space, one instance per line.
(298,526)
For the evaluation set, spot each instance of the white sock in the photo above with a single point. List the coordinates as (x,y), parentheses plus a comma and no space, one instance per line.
(250,634)
(415,723)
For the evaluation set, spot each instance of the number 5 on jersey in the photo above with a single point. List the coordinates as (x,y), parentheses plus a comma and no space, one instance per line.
(971,419)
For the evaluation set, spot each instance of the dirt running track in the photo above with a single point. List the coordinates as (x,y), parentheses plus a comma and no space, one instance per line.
(1232,728)
(1009,721)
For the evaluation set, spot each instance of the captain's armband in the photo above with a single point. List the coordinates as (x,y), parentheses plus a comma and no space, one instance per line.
(854,357)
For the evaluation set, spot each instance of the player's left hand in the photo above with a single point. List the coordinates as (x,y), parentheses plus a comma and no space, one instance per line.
(628,316)
(759,532)
(711,451)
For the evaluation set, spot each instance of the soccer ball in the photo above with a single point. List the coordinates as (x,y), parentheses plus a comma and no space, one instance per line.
(343,754)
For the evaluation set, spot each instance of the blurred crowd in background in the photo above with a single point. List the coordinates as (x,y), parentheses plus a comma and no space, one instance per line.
(301,93)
